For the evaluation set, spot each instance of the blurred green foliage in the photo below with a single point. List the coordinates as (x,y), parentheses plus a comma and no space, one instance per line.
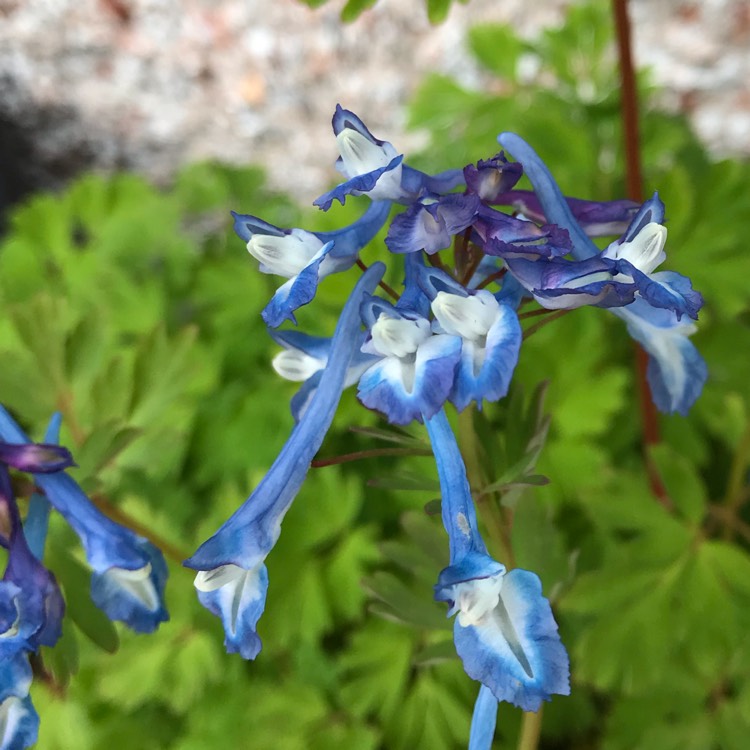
(135,312)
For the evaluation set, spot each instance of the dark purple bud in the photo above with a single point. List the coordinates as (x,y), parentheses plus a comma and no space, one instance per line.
(492,177)
(36,458)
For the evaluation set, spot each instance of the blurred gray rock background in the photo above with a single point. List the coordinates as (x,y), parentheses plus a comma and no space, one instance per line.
(152,84)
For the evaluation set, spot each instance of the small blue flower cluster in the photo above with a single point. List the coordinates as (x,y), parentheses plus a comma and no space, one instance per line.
(452,335)
(127,581)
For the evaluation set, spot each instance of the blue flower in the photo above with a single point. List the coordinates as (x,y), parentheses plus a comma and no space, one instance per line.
(488,330)
(504,630)
(373,167)
(36,458)
(129,573)
(305,257)
(232,579)
(415,371)
(31,605)
(19,722)
(676,371)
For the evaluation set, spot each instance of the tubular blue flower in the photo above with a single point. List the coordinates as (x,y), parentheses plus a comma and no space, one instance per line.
(372,167)
(31,605)
(504,631)
(19,722)
(232,579)
(305,257)
(129,573)
(415,371)
(489,332)
(676,371)
(483,720)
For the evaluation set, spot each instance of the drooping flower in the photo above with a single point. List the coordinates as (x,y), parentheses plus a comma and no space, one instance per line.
(128,573)
(676,371)
(305,257)
(232,578)
(504,630)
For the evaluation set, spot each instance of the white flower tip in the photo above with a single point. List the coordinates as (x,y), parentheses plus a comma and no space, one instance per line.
(138,584)
(296,365)
(468,317)
(476,598)
(399,337)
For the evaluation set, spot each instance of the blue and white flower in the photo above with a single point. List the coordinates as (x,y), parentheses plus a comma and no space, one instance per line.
(19,722)
(303,257)
(415,370)
(128,573)
(504,630)
(232,579)
(374,168)
(676,371)
(488,330)
(303,360)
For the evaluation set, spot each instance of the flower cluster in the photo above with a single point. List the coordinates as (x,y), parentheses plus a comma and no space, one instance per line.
(452,335)
(127,581)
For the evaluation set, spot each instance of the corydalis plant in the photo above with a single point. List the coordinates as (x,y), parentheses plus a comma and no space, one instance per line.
(128,573)
(473,249)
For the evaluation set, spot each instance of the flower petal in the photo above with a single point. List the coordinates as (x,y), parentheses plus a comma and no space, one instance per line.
(515,650)
(406,388)
(239,601)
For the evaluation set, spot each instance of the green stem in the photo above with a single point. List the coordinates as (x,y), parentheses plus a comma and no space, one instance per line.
(531,728)
(488,508)
(736,492)
(531,330)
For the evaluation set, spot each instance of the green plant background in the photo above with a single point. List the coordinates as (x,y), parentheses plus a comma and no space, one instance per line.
(135,312)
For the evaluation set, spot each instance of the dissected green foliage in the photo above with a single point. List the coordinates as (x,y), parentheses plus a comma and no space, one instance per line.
(135,312)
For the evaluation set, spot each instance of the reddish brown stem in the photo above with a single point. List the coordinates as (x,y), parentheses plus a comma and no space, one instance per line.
(554,315)
(634,182)
(387,289)
(319,463)
(492,277)
(112,511)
